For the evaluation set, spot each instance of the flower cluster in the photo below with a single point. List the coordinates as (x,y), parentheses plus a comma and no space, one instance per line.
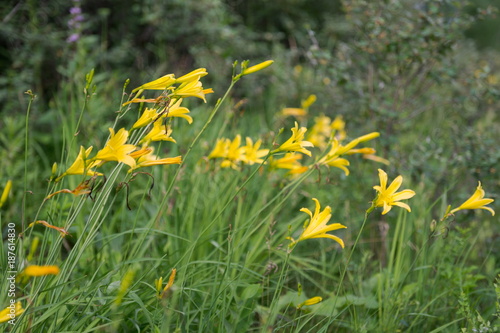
(134,147)
(232,153)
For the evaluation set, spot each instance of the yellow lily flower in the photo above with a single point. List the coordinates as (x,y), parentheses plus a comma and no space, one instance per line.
(289,161)
(337,150)
(150,159)
(296,112)
(476,201)
(81,164)
(317,227)
(320,132)
(387,196)
(305,104)
(192,76)
(170,283)
(221,149)
(295,142)
(5,193)
(11,312)
(177,111)
(252,152)
(159,84)
(257,67)
(235,154)
(159,132)
(310,301)
(35,270)
(192,88)
(148,116)
(116,149)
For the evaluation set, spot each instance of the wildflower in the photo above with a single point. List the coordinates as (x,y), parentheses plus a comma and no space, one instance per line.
(387,196)
(257,67)
(192,88)
(310,301)
(476,201)
(5,193)
(333,157)
(11,312)
(159,132)
(305,104)
(302,111)
(289,161)
(170,283)
(149,160)
(148,116)
(338,125)
(316,227)
(35,270)
(159,84)
(192,76)
(320,132)
(116,149)
(295,112)
(82,164)
(235,154)
(221,149)
(177,111)
(252,152)
(295,142)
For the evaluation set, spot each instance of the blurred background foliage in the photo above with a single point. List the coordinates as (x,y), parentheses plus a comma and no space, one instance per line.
(425,74)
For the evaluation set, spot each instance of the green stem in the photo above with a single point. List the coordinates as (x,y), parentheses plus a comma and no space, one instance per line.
(26,145)
(277,292)
(331,318)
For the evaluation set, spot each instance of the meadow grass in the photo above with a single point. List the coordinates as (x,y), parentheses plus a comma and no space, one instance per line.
(228,233)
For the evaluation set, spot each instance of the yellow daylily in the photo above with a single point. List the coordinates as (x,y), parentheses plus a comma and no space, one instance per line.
(170,283)
(317,226)
(320,132)
(149,159)
(257,67)
(36,270)
(82,164)
(337,150)
(192,88)
(11,312)
(305,104)
(235,154)
(5,193)
(159,132)
(221,149)
(159,84)
(289,161)
(116,149)
(192,76)
(338,125)
(252,152)
(176,110)
(476,201)
(296,142)
(148,116)
(387,196)
(295,112)
(310,301)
